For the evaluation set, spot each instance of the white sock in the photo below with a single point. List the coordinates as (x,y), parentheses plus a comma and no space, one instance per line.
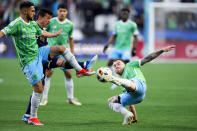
(46,88)
(118,108)
(71,59)
(35,101)
(70,87)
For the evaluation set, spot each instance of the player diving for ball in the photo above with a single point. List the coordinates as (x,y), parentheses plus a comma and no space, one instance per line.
(133,84)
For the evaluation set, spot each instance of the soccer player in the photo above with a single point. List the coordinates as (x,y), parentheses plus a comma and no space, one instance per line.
(24,31)
(133,85)
(125,34)
(43,19)
(56,23)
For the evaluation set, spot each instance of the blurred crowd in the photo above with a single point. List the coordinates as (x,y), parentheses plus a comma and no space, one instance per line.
(95,16)
(88,16)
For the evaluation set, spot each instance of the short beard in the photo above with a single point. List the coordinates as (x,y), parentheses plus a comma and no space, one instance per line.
(29,18)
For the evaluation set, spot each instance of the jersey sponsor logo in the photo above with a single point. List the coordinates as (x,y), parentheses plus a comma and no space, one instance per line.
(121,30)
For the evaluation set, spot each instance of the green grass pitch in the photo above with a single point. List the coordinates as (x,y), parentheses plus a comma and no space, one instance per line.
(170,103)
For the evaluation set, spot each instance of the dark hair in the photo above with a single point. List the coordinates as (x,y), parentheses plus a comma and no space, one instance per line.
(125,9)
(25,4)
(43,11)
(120,60)
(64,6)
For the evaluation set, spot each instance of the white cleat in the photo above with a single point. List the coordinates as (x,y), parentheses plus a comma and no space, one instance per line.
(43,102)
(90,64)
(128,119)
(74,101)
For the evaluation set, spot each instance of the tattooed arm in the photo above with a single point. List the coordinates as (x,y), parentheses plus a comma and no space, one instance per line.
(154,55)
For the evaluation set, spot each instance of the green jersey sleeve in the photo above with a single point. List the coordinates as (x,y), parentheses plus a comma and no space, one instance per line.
(11,29)
(71,32)
(38,29)
(134,63)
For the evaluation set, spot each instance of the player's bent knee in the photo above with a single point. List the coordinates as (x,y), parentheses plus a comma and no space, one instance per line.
(38,87)
(114,99)
(61,49)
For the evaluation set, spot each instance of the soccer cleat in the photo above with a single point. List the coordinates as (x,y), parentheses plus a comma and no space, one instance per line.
(90,63)
(128,119)
(25,118)
(74,101)
(43,102)
(84,72)
(34,121)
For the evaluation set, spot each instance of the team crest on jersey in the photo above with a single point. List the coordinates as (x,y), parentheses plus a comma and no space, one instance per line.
(34,76)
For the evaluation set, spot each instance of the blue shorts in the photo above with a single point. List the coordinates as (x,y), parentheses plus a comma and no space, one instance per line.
(63,69)
(120,54)
(130,98)
(34,70)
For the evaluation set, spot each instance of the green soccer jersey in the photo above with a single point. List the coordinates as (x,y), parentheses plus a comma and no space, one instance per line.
(67,31)
(132,70)
(124,32)
(24,38)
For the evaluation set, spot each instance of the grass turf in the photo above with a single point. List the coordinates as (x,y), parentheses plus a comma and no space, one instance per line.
(170,103)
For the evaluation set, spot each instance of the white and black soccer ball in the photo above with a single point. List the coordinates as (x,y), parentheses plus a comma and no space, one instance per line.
(101,72)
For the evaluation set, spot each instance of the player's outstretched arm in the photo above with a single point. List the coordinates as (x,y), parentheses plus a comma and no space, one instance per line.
(154,55)
(48,34)
(1,34)
(110,42)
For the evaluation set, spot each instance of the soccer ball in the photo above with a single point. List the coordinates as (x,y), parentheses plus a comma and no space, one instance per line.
(102,71)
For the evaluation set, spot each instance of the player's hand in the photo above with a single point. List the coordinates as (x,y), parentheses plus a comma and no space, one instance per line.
(169,48)
(133,53)
(105,48)
(58,33)
(133,121)
(111,78)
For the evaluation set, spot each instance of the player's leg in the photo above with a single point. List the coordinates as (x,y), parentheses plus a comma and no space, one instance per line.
(115,105)
(48,75)
(26,116)
(34,74)
(35,101)
(69,85)
(131,108)
(61,50)
(61,62)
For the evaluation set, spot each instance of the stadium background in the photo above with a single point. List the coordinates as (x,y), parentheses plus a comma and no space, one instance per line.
(171,97)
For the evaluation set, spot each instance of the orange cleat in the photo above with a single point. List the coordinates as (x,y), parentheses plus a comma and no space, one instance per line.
(84,72)
(34,121)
